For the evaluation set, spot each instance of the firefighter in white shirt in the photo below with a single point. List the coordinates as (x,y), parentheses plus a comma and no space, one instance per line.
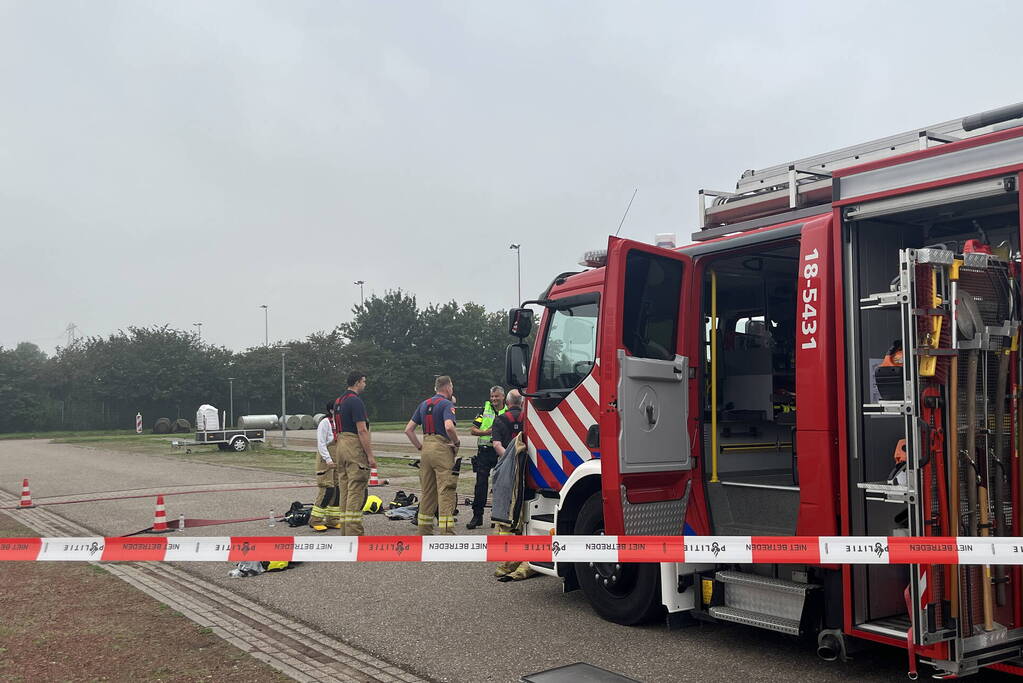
(326,512)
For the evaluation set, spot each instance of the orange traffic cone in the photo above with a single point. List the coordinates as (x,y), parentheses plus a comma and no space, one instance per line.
(374,479)
(26,495)
(160,519)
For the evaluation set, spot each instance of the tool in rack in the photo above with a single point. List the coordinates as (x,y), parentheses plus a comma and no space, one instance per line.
(1001,469)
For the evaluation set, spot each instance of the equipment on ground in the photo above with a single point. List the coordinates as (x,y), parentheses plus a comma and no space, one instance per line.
(402,499)
(246,569)
(373,505)
(653,398)
(407,512)
(298,514)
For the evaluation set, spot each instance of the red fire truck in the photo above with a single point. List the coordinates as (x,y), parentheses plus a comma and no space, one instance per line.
(835,354)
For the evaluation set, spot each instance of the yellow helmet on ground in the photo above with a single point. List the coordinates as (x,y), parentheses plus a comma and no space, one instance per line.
(373,504)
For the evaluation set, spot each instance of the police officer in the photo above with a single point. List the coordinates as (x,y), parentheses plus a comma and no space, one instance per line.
(355,453)
(508,484)
(486,456)
(326,512)
(437,476)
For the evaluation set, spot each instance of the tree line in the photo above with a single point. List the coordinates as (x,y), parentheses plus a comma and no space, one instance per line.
(101,383)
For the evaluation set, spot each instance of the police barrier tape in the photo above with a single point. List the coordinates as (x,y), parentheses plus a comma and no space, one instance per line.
(693,549)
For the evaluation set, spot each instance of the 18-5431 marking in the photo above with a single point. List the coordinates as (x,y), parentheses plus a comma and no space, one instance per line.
(810,294)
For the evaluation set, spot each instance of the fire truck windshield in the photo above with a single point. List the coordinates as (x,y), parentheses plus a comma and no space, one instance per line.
(569,346)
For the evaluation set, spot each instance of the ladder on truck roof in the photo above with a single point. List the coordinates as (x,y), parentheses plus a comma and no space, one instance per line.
(803,187)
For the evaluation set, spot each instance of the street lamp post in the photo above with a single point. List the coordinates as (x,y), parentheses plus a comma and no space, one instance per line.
(231,380)
(198,326)
(362,295)
(284,420)
(266,325)
(518,261)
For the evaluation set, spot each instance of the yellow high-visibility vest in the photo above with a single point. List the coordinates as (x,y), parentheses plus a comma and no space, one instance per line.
(485,421)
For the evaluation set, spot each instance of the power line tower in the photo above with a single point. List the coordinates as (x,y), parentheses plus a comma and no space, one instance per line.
(72,333)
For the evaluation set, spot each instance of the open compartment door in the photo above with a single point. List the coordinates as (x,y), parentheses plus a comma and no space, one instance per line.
(644,392)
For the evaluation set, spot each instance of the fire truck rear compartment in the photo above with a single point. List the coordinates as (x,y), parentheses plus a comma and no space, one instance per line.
(752,294)
(906,278)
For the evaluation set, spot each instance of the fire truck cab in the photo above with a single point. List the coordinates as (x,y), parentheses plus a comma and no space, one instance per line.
(835,354)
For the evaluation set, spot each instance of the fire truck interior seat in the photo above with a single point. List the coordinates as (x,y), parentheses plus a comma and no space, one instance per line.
(756,317)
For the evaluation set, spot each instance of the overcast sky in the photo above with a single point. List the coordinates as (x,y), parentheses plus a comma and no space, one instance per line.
(182,162)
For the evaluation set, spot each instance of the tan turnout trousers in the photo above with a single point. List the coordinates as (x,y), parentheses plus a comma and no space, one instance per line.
(326,510)
(438,484)
(353,475)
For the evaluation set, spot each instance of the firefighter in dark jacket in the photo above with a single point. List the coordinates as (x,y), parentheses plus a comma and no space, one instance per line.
(438,467)
(486,456)
(355,452)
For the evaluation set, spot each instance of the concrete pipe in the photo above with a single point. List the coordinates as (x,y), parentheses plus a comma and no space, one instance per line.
(308,422)
(294,422)
(162,426)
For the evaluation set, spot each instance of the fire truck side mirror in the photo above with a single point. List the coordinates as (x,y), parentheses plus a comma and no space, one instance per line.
(520,322)
(516,365)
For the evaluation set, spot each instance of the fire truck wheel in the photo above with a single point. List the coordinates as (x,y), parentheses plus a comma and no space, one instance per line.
(624,593)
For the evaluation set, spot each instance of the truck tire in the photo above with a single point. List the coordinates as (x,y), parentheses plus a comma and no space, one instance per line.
(239,444)
(627,593)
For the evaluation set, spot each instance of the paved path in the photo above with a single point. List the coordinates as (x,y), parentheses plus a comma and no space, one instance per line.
(445,622)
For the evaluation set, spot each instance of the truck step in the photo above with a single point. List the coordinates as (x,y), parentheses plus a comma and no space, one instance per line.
(763,582)
(766,621)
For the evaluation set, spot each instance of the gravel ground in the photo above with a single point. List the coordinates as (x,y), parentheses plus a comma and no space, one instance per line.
(450,622)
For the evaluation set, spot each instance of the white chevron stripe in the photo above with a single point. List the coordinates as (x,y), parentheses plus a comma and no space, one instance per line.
(531,450)
(581,413)
(566,431)
(590,386)
(547,441)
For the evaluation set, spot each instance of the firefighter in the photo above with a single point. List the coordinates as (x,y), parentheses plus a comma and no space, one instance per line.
(486,456)
(509,480)
(326,512)
(355,453)
(438,468)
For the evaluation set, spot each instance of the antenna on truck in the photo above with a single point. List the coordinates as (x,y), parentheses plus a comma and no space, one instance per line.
(626,212)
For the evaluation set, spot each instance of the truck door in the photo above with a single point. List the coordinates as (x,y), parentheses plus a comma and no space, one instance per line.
(644,390)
